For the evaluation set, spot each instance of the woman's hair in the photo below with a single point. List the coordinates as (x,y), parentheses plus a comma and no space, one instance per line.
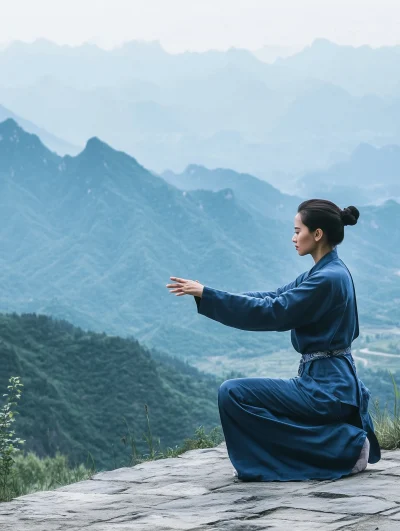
(323,214)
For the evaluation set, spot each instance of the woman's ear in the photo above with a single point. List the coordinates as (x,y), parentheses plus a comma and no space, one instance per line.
(318,234)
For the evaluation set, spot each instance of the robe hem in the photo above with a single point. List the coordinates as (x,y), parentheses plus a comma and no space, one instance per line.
(312,478)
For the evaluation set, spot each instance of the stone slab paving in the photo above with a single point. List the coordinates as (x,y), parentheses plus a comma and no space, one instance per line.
(197,491)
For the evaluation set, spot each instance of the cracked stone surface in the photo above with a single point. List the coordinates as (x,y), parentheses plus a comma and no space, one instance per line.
(197,491)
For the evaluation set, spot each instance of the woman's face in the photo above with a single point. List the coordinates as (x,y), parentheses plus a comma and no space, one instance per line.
(304,240)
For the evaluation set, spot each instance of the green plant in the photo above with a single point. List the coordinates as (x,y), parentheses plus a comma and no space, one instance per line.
(149,438)
(200,440)
(130,439)
(24,474)
(387,425)
(8,444)
(32,473)
(92,467)
(153,454)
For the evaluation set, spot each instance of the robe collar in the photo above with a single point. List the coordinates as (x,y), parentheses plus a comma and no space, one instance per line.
(328,257)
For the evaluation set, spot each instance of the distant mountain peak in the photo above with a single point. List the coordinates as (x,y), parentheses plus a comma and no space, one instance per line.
(97,149)
(52,142)
(138,48)
(44,43)
(9,125)
(94,143)
(140,44)
(194,168)
(239,52)
(97,152)
(12,133)
(363,149)
(37,46)
(322,42)
(22,152)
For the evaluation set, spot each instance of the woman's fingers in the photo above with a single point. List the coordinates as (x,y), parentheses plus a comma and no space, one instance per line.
(183,286)
(178,279)
(178,292)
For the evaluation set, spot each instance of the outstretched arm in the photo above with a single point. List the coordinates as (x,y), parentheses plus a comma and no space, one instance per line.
(293,308)
(279,291)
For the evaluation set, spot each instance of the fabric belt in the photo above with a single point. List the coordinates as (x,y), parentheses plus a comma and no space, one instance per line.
(321,354)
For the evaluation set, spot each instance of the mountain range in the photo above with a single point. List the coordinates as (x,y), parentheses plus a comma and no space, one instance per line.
(361,70)
(94,239)
(370,174)
(54,143)
(277,121)
(84,392)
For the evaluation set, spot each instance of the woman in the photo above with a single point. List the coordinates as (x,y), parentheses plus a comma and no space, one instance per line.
(315,425)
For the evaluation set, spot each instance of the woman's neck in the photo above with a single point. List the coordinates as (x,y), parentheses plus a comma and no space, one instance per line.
(321,252)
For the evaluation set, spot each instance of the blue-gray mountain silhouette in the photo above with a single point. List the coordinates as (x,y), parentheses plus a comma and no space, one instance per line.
(94,239)
(370,174)
(216,109)
(54,143)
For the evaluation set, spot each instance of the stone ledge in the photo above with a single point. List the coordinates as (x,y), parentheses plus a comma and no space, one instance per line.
(197,491)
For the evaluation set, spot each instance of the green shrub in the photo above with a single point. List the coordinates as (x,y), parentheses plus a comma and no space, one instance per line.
(8,444)
(32,473)
(21,474)
(386,424)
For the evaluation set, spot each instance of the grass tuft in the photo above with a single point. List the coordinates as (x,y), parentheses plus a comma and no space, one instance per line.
(386,423)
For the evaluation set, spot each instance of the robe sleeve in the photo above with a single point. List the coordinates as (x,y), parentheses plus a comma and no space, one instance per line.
(261,294)
(279,291)
(296,307)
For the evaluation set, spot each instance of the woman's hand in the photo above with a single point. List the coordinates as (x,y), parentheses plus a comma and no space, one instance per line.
(186,287)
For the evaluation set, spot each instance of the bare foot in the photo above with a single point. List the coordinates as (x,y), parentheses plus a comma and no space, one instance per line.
(362,461)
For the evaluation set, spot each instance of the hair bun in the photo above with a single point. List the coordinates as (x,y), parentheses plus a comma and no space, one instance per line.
(349,215)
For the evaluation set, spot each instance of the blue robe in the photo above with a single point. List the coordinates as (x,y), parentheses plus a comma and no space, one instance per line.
(311,426)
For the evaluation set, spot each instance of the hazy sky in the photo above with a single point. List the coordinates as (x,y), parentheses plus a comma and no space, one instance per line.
(199,25)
